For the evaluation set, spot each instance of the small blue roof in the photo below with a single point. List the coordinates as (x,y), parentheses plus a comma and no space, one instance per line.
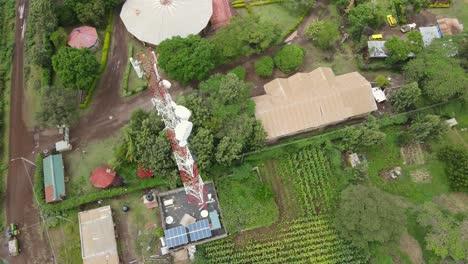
(214,217)
(54,182)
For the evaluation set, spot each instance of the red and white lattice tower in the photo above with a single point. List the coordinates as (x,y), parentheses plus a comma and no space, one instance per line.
(178,129)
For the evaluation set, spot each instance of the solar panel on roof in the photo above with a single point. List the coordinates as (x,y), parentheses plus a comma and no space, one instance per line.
(176,236)
(199,230)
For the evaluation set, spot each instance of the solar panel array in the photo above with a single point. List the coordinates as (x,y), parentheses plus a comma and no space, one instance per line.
(199,230)
(176,236)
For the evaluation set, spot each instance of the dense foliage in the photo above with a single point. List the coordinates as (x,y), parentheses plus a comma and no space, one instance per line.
(406,97)
(423,128)
(41,23)
(59,38)
(77,68)
(289,58)
(58,107)
(224,109)
(438,72)
(363,15)
(397,50)
(323,33)
(245,36)
(264,66)
(456,158)
(366,215)
(187,59)
(447,236)
(91,12)
(366,135)
(239,71)
(381,81)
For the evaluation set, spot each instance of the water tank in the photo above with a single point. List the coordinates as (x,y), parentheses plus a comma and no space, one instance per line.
(149,197)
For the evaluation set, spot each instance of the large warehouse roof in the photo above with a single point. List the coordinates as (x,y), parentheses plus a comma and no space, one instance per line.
(153,21)
(97,235)
(311,100)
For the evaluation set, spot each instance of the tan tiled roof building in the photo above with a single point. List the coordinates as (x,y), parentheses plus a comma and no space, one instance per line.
(307,101)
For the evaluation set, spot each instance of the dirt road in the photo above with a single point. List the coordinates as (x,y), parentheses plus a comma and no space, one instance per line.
(19,197)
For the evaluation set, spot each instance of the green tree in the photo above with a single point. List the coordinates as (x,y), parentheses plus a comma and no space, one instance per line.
(324,34)
(77,68)
(381,81)
(59,38)
(366,215)
(289,58)
(264,66)
(203,145)
(239,71)
(456,158)
(257,140)
(231,88)
(145,142)
(245,35)
(405,98)
(58,107)
(415,41)
(91,12)
(367,135)
(447,237)
(363,15)
(419,5)
(423,128)
(227,151)
(186,59)
(438,73)
(397,50)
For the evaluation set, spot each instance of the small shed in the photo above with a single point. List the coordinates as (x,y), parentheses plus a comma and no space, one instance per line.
(379,95)
(104,177)
(449,26)
(84,37)
(54,182)
(429,34)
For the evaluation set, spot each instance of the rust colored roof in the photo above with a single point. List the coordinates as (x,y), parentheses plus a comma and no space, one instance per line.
(221,13)
(449,26)
(49,194)
(83,37)
(103,177)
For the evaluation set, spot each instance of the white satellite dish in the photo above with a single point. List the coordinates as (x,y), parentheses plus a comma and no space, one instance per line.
(182,132)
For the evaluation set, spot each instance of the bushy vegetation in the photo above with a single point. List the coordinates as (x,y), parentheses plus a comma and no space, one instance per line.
(423,128)
(91,12)
(365,14)
(247,203)
(398,50)
(406,97)
(244,36)
(58,107)
(187,59)
(456,158)
(363,136)
(264,66)
(239,71)
(323,33)
(381,81)
(289,58)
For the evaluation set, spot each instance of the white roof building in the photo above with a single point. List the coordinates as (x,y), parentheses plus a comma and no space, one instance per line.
(378,94)
(429,34)
(153,21)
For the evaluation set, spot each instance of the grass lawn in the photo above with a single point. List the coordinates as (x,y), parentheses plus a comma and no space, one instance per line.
(79,165)
(65,240)
(275,13)
(458,10)
(343,61)
(246,202)
(32,95)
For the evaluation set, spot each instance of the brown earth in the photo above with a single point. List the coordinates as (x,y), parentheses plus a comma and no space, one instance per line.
(455,203)
(411,247)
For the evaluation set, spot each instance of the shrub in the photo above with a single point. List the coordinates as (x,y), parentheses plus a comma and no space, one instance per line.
(456,158)
(264,66)
(381,81)
(239,71)
(290,58)
(324,34)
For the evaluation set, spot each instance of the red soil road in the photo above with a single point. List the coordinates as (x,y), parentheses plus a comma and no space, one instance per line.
(19,197)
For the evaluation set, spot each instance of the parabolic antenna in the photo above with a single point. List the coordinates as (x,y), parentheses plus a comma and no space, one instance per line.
(153,21)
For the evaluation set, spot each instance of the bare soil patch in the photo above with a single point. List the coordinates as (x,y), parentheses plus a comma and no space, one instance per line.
(411,247)
(412,154)
(455,203)
(421,176)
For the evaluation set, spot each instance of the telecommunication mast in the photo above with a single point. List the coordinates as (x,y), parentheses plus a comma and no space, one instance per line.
(178,128)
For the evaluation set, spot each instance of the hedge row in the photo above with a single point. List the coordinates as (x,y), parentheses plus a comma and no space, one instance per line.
(74,202)
(293,28)
(102,66)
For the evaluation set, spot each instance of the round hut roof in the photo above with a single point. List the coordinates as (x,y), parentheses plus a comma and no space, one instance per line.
(83,37)
(153,21)
(103,177)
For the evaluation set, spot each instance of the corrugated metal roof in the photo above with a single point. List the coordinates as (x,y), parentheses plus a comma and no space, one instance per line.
(449,26)
(97,236)
(429,34)
(376,49)
(215,223)
(311,100)
(54,178)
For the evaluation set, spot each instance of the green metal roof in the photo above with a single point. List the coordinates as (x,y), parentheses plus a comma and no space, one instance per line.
(54,182)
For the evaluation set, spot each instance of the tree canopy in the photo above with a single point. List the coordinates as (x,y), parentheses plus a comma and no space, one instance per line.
(366,215)
(289,58)
(367,135)
(323,33)
(423,128)
(405,98)
(397,49)
(365,14)
(456,158)
(59,38)
(186,59)
(58,107)
(245,35)
(77,68)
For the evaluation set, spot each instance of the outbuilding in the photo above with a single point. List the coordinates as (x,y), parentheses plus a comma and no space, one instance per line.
(84,37)
(54,181)
(104,177)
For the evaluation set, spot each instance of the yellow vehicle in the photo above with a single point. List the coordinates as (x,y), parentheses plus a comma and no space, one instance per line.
(376,37)
(391,21)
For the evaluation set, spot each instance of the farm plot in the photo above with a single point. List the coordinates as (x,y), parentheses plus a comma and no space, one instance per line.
(412,154)
(312,179)
(305,240)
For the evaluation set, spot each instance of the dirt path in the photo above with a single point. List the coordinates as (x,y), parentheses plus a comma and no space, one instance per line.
(19,197)
(411,247)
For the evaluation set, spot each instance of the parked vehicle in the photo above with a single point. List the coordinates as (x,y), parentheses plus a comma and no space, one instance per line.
(408,27)
(391,21)
(376,37)
(12,230)
(13,247)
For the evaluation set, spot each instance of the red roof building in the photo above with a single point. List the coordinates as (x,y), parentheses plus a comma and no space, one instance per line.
(221,13)
(103,177)
(83,37)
